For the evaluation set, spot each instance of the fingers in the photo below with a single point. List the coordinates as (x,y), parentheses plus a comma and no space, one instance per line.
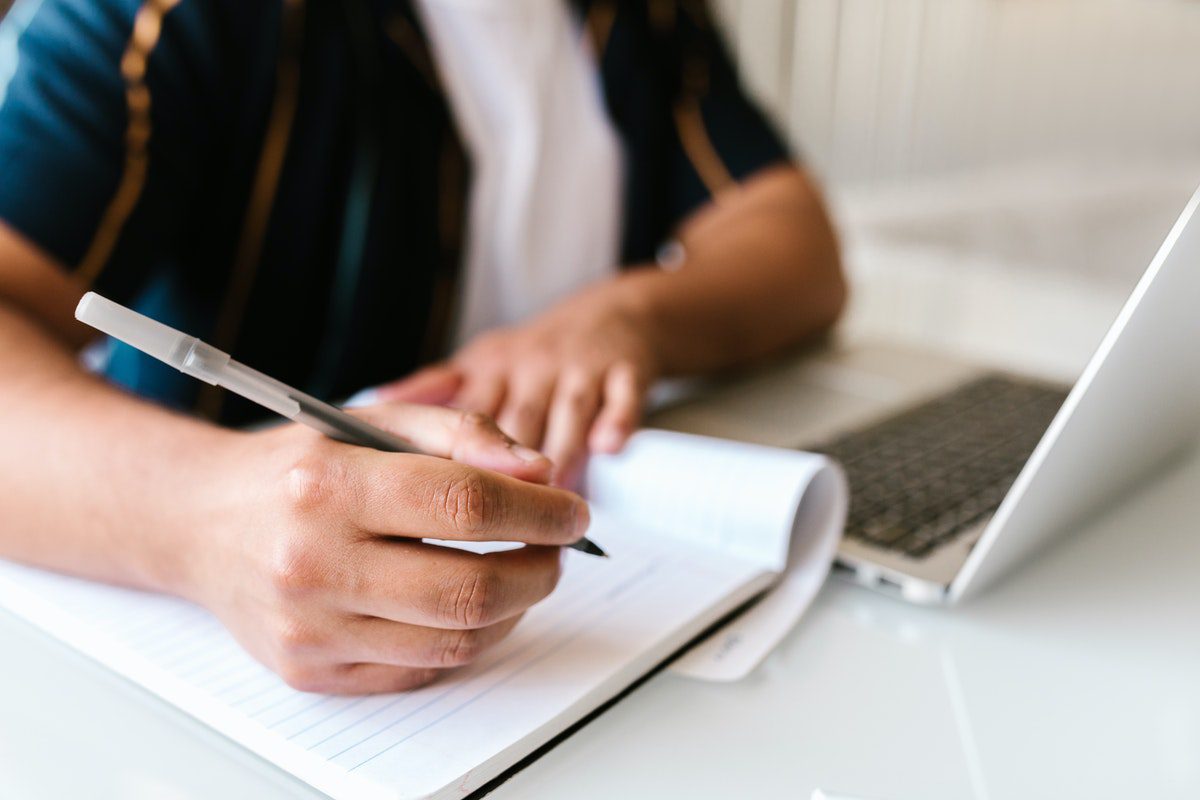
(422,496)
(440,587)
(358,678)
(464,436)
(576,399)
(435,385)
(364,655)
(385,615)
(622,411)
(379,641)
(523,416)
(483,393)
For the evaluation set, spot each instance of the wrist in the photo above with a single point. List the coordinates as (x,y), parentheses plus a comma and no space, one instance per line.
(634,297)
(199,502)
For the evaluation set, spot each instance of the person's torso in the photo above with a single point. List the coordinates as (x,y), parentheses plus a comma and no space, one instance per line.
(377,183)
(544,207)
(287,179)
(320,234)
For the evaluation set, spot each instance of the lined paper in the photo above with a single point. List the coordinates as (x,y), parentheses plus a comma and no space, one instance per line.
(732,496)
(781,508)
(609,621)
(694,528)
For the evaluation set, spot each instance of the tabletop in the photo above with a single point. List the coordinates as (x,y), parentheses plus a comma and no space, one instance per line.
(1076,677)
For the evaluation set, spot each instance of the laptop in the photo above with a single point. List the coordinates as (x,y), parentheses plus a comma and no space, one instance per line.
(959,473)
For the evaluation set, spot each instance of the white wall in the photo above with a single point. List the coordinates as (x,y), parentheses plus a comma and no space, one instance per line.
(874,90)
(1002,170)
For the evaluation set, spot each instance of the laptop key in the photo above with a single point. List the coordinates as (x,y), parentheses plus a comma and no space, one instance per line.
(925,475)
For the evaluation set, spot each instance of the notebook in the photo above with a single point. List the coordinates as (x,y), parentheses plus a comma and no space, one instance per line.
(695,528)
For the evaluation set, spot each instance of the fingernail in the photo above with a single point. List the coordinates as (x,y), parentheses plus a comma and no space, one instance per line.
(583,519)
(527,454)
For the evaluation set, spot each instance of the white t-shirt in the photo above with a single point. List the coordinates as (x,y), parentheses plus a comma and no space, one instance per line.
(544,213)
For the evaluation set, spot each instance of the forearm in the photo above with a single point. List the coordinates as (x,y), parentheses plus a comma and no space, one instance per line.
(96,482)
(760,273)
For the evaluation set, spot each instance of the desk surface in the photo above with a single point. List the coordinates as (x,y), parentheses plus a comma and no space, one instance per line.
(1075,678)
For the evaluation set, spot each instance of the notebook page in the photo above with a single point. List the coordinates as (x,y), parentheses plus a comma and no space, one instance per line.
(739,498)
(609,621)
(782,508)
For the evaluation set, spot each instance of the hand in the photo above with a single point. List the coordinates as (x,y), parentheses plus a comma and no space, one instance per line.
(572,378)
(313,557)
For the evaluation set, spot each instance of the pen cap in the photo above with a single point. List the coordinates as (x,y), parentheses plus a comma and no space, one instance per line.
(137,330)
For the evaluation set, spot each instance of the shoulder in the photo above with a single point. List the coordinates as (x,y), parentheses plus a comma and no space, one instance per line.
(109,39)
(77,78)
(74,68)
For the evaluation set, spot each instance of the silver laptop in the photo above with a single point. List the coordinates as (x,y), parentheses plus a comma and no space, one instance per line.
(958,473)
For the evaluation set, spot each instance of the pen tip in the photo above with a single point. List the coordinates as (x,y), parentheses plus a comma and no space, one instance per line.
(588,546)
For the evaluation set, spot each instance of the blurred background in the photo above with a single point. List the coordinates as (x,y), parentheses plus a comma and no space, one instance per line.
(1002,170)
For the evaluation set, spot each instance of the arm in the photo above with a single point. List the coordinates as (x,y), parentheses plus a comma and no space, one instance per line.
(760,273)
(307,549)
(60,511)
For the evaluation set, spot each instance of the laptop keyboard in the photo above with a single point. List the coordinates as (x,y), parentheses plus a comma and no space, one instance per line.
(925,475)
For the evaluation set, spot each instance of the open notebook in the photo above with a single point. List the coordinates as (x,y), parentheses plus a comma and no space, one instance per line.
(695,528)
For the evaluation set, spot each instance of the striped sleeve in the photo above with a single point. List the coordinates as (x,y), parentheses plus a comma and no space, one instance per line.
(80,124)
(690,131)
(62,120)
(722,136)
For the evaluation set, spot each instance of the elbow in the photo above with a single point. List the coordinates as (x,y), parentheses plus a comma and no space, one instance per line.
(825,291)
(831,294)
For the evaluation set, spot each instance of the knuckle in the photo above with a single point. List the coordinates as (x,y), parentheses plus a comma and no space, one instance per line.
(476,422)
(295,638)
(539,364)
(310,483)
(457,648)
(578,399)
(471,600)
(467,502)
(296,569)
(304,677)
(528,412)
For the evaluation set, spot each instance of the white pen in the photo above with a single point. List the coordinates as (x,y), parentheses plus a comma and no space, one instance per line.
(205,362)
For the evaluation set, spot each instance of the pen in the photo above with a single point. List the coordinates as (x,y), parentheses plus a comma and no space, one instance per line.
(205,362)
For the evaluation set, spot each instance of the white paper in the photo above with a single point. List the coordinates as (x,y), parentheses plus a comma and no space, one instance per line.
(732,652)
(784,509)
(609,622)
(695,528)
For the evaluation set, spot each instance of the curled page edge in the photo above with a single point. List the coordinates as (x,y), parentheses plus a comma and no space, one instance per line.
(733,651)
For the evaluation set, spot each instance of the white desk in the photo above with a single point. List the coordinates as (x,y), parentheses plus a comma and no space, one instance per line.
(1079,677)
